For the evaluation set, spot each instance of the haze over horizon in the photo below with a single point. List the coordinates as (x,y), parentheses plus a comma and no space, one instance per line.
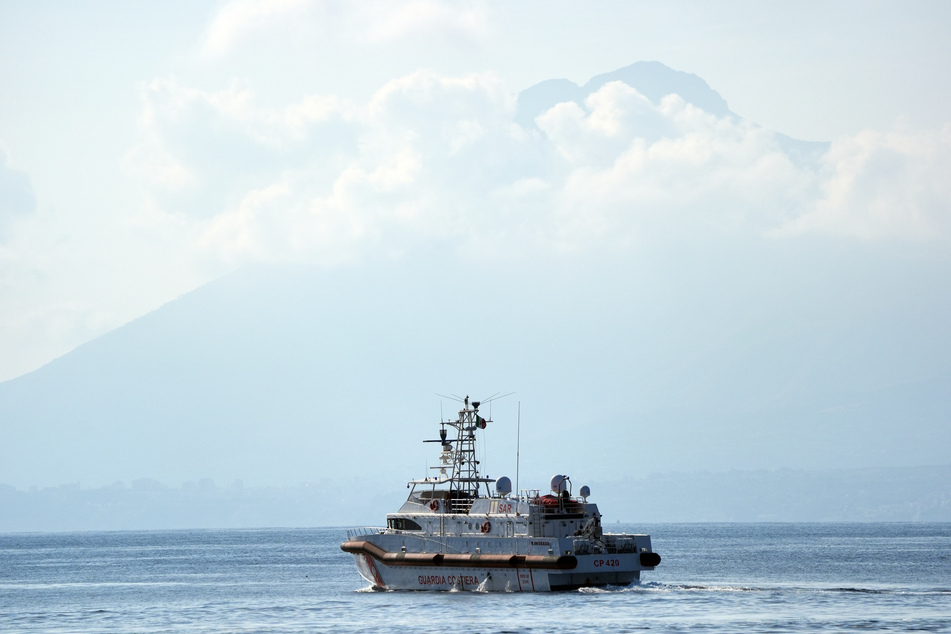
(255,244)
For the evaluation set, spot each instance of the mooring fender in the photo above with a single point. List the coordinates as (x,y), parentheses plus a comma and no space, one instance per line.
(649,560)
(480,561)
(412,559)
(538,562)
(364,547)
(550,562)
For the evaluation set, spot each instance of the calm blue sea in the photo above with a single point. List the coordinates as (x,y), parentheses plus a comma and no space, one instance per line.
(714,577)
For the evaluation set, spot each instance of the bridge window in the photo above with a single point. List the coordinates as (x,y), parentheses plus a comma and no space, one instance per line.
(403,524)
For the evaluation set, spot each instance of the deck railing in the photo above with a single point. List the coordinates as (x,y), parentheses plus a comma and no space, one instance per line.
(364,530)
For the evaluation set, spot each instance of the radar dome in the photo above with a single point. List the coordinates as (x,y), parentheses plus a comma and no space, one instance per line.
(559,483)
(503,486)
(585,491)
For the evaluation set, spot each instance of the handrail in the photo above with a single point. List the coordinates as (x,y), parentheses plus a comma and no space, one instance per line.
(364,530)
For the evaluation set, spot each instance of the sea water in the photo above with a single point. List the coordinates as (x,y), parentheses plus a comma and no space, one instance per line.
(714,577)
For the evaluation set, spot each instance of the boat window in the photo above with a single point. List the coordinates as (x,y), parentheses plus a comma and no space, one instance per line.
(435,494)
(403,524)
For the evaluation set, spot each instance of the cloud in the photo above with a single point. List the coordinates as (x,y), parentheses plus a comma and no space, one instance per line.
(634,167)
(237,21)
(881,186)
(439,159)
(362,23)
(323,176)
(201,151)
(16,193)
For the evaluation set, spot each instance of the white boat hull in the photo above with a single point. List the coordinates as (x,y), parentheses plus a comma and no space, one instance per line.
(386,563)
(386,577)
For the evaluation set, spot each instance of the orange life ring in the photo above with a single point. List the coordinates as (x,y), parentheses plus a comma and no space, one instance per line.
(434,505)
(486,527)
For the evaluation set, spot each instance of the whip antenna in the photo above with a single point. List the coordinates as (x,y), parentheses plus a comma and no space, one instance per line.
(518,439)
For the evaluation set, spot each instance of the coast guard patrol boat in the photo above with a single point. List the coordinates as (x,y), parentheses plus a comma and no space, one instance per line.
(454,532)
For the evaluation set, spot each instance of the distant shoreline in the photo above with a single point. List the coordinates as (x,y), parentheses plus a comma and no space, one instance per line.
(896,494)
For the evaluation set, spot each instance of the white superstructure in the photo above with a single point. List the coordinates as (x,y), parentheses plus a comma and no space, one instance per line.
(453,531)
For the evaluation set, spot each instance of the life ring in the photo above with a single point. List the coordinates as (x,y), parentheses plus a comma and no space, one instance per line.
(434,505)
(486,527)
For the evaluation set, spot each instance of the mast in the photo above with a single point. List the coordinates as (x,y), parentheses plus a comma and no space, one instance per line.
(458,461)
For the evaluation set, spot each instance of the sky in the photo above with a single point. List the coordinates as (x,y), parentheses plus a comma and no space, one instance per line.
(149,148)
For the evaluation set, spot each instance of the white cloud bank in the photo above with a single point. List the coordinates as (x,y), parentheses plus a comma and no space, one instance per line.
(878,186)
(434,158)
(436,162)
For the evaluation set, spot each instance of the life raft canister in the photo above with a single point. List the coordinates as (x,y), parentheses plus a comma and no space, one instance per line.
(486,527)
(434,505)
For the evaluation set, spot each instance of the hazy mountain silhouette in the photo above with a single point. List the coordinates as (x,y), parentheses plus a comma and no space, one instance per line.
(281,376)
(655,81)
(801,354)
(652,79)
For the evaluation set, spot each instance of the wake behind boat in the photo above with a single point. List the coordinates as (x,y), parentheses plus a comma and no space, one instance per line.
(454,532)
